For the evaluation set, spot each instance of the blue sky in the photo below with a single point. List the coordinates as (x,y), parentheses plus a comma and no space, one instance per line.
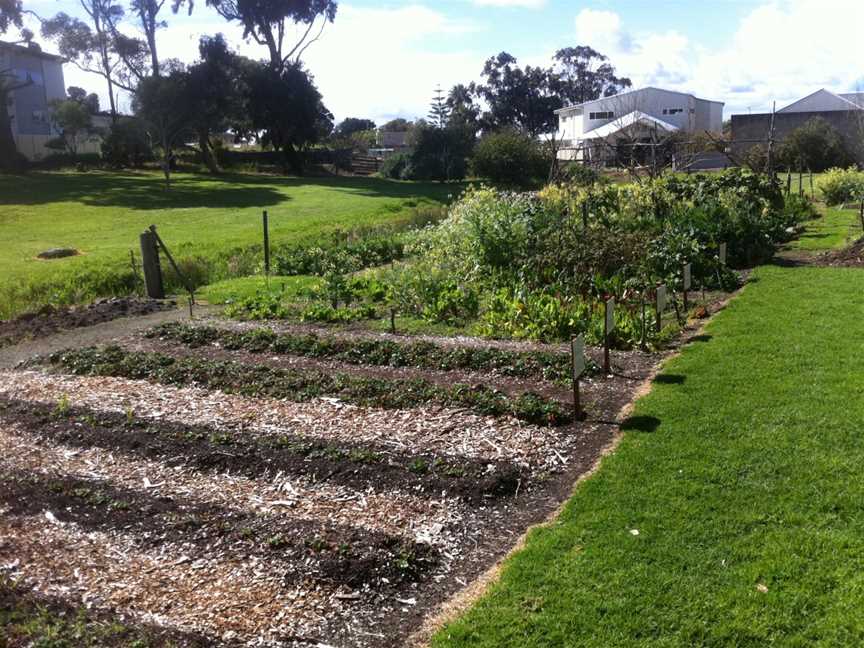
(383,59)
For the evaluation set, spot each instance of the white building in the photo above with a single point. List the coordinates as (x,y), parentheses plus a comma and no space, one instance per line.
(29,108)
(589,131)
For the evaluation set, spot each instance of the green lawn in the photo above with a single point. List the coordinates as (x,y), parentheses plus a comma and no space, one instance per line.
(836,229)
(102,214)
(741,472)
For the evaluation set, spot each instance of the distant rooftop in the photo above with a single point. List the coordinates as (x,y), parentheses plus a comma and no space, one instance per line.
(33,49)
(628,92)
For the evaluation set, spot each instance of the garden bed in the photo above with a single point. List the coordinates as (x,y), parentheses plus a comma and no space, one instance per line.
(50,320)
(235,510)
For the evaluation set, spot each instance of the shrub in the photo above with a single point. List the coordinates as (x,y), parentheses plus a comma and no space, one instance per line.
(396,167)
(815,146)
(510,158)
(837,186)
(127,144)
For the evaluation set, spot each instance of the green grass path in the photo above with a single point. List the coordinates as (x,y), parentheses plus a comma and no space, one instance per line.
(744,476)
(837,228)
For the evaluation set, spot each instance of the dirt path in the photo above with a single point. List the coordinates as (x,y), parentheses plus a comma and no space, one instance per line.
(91,335)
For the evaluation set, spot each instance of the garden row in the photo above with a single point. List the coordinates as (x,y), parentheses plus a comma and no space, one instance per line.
(542,365)
(305,384)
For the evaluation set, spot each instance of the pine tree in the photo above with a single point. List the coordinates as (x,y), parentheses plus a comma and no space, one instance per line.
(439,111)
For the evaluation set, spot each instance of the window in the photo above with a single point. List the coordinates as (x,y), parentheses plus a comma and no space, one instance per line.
(601,115)
(39,117)
(29,75)
(672,111)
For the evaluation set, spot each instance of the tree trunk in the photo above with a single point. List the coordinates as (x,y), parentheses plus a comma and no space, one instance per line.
(148,22)
(9,158)
(207,152)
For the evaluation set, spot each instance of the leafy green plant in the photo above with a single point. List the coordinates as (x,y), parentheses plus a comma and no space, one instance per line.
(837,186)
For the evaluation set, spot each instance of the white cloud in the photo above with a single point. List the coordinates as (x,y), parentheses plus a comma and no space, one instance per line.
(780,51)
(523,4)
(370,62)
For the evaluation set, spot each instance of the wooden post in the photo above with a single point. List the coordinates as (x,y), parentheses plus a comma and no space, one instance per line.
(585,215)
(660,304)
(800,183)
(152,270)
(266,245)
(644,322)
(811,186)
(686,285)
(788,182)
(608,327)
(577,364)
(393,321)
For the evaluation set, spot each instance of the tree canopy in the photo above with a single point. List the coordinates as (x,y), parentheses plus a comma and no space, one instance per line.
(584,74)
(517,97)
(351,125)
(267,22)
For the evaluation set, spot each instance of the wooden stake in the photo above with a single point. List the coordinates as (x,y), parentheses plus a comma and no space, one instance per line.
(393,321)
(153,284)
(608,327)
(577,366)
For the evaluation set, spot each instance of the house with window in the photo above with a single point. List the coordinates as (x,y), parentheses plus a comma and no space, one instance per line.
(30,105)
(595,130)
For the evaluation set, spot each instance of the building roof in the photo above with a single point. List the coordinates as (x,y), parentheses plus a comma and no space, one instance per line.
(825,101)
(629,92)
(32,49)
(628,120)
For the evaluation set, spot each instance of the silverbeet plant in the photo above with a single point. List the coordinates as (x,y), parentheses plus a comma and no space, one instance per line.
(296,385)
(546,365)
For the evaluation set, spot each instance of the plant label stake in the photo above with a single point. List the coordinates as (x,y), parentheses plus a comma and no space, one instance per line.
(577,359)
(266,247)
(660,303)
(608,327)
(686,283)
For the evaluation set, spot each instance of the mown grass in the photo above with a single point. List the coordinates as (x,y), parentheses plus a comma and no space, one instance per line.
(201,218)
(741,472)
(229,291)
(835,229)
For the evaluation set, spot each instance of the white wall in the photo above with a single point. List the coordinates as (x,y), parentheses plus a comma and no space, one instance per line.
(653,101)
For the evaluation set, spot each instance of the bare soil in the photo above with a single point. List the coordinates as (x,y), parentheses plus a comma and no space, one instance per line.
(50,319)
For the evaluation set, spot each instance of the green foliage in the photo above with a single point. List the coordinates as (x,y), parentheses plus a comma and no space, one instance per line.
(127,144)
(396,167)
(299,386)
(74,123)
(539,265)
(439,153)
(838,186)
(510,158)
(815,146)
(547,365)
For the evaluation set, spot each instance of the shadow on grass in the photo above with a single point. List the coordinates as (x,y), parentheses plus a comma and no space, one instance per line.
(670,379)
(640,424)
(146,191)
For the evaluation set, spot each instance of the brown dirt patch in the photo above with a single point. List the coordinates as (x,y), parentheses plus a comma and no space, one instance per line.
(49,319)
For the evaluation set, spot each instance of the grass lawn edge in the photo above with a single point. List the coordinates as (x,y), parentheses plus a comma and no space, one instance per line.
(464,599)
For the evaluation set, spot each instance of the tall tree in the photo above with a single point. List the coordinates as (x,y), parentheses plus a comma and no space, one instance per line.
(266,22)
(148,16)
(464,112)
(97,47)
(584,74)
(74,123)
(163,103)
(80,96)
(10,14)
(217,93)
(517,98)
(351,125)
(286,107)
(439,111)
